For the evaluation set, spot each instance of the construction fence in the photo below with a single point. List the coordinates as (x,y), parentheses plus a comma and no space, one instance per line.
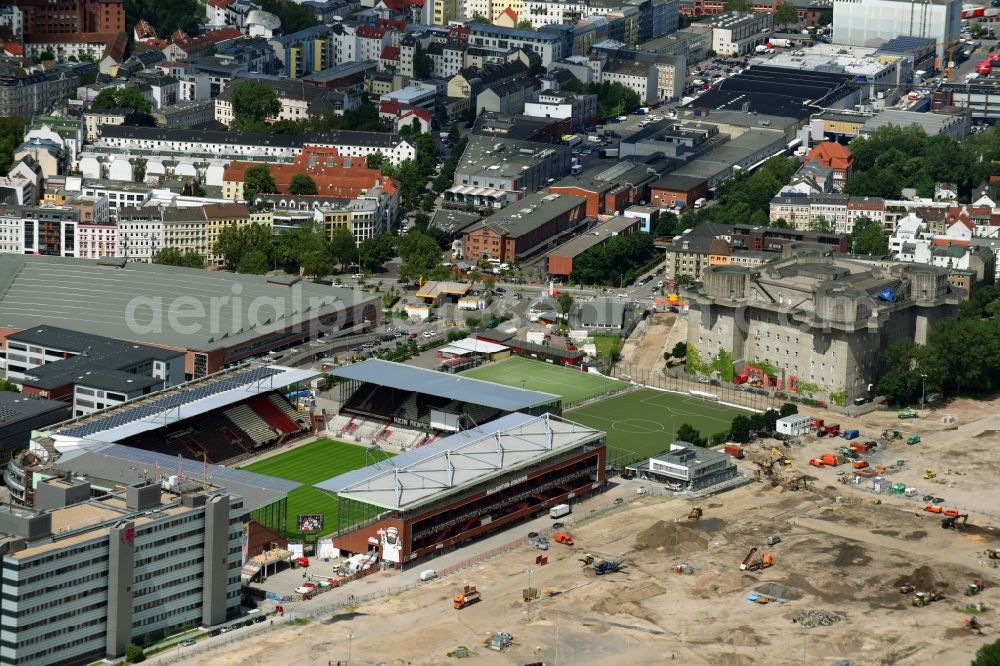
(757,399)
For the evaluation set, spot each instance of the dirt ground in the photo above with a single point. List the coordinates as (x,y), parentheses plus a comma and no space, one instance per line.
(647,351)
(846,557)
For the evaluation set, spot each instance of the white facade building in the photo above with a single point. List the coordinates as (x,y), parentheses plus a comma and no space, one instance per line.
(872,22)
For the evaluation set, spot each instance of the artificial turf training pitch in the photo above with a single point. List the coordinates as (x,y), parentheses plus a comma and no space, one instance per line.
(309,464)
(572,385)
(644,421)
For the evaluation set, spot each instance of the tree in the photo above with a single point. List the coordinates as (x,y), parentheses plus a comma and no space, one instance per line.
(47,54)
(258,180)
(687,433)
(422,64)
(738,6)
(680,350)
(821,225)
(769,420)
(302,184)
(525,25)
(294,17)
(139,169)
(343,249)
(134,654)
(788,409)
(989,654)
(869,238)
(565,303)
(785,14)
(740,430)
(420,255)
(184,15)
(235,243)
(122,98)
(172,256)
(7,385)
(253,103)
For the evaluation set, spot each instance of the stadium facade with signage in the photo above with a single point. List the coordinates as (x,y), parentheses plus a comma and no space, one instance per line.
(467,485)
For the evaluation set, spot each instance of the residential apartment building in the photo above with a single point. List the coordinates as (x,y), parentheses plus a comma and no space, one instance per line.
(182,142)
(305,52)
(298,101)
(140,233)
(94,120)
(714,244)
(94,241)
(641,77)
(25,96)
(548,46)
(838,211)
(836,157)
(580,109)
(142,561)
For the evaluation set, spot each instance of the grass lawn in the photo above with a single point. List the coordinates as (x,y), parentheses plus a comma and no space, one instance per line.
(309,464)
(572,385)
(644,421)
(605,343)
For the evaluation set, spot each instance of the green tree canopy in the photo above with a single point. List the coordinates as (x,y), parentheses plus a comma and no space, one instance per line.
(619,261)
(421,62)
(253,103)
(11,136)
(739,429)
(687,433)
(989,654)
(167,17)
(680,350)
(788,409)
(258,180)
(738,6)
(302,184)
(121,98)
(246,249)
(294,17)
(868,237)
(420,254)
(785,14)
(7,385)
(172,256)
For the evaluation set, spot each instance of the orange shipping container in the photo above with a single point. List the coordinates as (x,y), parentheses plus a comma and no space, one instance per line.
(860,464)
(951,513)
(932,509)
(829,459)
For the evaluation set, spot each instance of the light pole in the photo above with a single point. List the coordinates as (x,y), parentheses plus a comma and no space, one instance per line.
(923,387)
(350,637)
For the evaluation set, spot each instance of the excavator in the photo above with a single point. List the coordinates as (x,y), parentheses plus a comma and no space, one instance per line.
(695,514)
(765,463)
(951,522)
(993,553)
(972,624)
(754,561)
(930,474)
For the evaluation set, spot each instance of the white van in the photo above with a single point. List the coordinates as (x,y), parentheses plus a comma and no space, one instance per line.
(429,574)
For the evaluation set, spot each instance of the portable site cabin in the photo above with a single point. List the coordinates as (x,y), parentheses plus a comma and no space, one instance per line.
(795,425)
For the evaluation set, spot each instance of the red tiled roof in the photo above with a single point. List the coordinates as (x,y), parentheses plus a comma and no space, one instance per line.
(219,3)
(419,113)
(831,154)
(949,242)
(510,13)
(390,53)
(368,32)
(143,30)
(391,24)
(389,106)
(13,48)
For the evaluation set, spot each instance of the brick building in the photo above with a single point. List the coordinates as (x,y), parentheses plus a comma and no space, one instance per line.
(523,228)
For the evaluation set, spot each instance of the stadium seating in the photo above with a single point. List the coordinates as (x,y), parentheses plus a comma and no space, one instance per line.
(286,408)
(274,417)
(244,418)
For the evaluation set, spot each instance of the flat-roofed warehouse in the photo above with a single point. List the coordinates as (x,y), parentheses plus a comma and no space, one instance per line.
(560,260)
(473,483)
(216,318)
(778,91)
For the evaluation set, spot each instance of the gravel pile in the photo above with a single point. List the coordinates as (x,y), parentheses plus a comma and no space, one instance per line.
(816,618)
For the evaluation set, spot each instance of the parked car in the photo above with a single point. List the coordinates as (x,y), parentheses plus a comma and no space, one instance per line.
(188,643)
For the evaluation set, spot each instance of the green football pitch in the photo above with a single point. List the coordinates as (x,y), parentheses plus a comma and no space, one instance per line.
(643,422)
(309,464)
(572,385)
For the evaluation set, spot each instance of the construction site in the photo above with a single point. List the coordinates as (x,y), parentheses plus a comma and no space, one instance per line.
(810,565)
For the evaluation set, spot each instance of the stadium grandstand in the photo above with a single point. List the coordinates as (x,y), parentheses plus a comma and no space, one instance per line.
(380,402)
(222,418)
(467,485)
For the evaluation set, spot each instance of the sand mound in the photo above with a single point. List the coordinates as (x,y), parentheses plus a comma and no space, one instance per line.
(777,590)
(742,637)
(673,538)
(712,581)
(923,578)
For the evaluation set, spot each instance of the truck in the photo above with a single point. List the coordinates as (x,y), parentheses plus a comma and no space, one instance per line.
(782,42)
(571,139)
(698,203)
(559,511)
(734,450)
(576,169)
(851,434)
(910,492)
(593,138)
(469,595)
(763,48)
(609,152)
